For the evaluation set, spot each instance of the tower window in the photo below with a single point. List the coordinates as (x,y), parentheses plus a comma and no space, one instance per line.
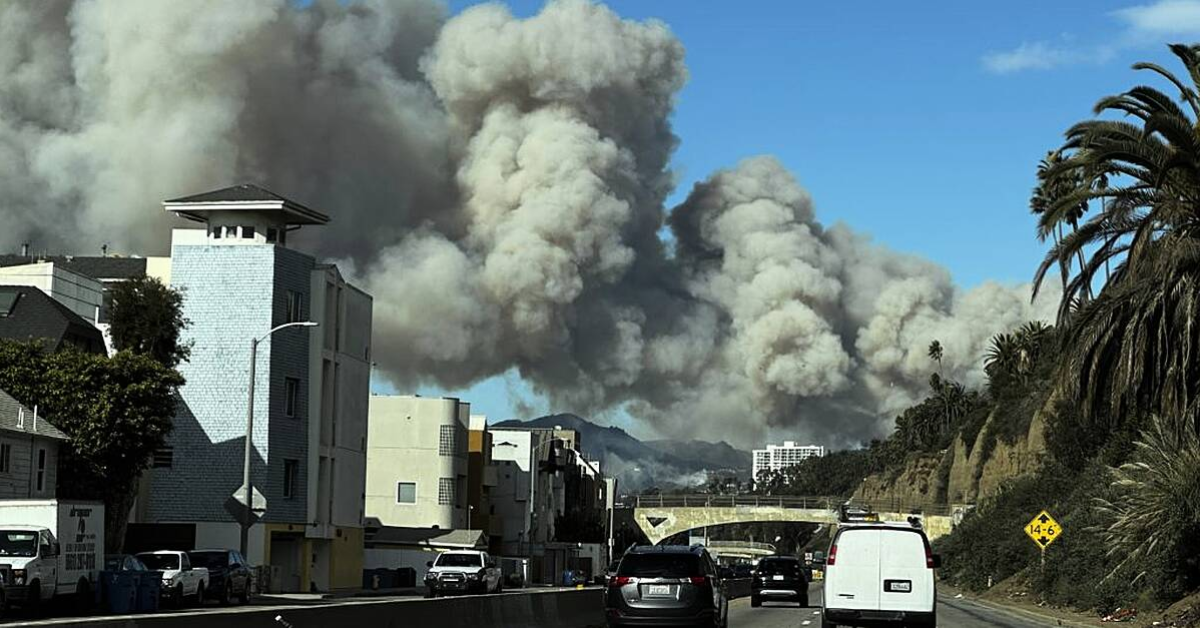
(247,232)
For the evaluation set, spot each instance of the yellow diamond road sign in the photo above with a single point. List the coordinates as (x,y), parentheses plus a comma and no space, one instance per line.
(1043,529)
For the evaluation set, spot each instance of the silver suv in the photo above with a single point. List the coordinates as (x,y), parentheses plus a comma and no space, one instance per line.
(661,585)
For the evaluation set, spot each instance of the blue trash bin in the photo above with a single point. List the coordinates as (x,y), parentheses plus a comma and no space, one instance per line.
(149,592)
(120,591)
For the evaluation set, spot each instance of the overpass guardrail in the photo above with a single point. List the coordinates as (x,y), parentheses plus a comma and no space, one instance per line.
(785,501)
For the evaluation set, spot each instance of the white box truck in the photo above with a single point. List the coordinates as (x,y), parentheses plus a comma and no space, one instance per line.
(50,548)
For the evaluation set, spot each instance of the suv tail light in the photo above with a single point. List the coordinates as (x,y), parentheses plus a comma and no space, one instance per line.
(619,581)
(832,558)
(699,580)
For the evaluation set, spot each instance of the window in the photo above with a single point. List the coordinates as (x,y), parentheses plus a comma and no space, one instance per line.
(5,458)
(291,477)
(272,234)
(406,492)
(163,458)
(8,300)
(446,441)
(446,496)
(41,470)
(247,232)
(295,307)
(217,232)
(291,397)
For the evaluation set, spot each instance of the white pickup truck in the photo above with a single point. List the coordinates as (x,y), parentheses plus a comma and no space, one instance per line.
(463,571)
(180,580)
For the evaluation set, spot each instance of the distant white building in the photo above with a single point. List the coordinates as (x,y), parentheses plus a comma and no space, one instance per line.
(776,457)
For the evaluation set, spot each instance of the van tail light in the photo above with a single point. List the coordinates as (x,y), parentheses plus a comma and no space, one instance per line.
(928,555)
(619,581)
(831,559)
(699,580)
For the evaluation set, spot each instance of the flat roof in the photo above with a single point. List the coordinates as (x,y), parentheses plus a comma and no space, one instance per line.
(243,197)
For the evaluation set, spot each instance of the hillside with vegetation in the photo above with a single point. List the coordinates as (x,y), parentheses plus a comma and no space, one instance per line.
(1096,418)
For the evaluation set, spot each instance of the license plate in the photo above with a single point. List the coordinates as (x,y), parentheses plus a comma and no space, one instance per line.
(898,586)
(658,589)
(778,578)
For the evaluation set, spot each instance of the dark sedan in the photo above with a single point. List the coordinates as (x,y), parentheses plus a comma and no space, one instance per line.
(779,578)
(229,575)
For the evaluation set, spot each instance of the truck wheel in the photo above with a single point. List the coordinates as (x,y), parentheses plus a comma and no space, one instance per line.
(83,596)
(200,594)
(755,602)
(177,597)
(245,598)
(34,600)
(226,593)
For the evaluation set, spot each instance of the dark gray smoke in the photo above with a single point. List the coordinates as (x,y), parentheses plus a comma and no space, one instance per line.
(498,184)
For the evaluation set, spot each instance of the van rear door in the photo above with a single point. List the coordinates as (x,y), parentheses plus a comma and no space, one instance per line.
(852,582)
(906,580)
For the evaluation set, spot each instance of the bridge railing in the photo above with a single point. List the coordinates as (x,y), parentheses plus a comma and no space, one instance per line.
(766,547)
(784,501)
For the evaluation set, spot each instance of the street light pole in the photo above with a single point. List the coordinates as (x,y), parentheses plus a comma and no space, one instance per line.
(533,473)
(248,516)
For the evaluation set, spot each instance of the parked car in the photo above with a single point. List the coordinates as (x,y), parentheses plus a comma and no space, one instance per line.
(124,562)
(659,585)
(743,570)
(779,578)
(463,571)
(50,548)
(879,573)
(229,575)
(180,580)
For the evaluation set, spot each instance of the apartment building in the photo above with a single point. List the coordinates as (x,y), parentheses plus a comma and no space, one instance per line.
(417,462)
(778,457)
(240,281)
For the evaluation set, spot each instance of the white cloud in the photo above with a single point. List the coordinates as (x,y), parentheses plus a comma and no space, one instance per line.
(1164,21)
(1162,18)
(1037,55)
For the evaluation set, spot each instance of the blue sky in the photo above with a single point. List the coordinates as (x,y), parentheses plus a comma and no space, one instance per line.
(920,123)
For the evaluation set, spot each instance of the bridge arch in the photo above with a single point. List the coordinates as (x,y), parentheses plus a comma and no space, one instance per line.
(663,516)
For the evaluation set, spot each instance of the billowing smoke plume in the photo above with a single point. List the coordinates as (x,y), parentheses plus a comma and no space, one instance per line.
(498,184)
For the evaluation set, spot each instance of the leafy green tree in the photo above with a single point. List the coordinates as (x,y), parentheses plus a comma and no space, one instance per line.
(1134,346)
(146,317)
(116,411)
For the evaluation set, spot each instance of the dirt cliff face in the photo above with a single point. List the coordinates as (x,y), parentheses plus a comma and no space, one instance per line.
(964,473)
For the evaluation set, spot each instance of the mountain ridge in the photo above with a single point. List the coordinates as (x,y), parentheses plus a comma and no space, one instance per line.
(642,464)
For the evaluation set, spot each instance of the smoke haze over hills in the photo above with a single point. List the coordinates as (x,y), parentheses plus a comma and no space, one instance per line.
(499,185)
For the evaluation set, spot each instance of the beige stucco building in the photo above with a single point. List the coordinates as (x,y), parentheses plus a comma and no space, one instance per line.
(417,461)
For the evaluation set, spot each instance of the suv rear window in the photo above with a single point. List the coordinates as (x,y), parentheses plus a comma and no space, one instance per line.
(771,567)
(660,566)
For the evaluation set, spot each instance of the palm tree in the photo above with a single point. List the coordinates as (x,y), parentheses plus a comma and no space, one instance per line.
(935,354)
(1154,515)
(1137,344)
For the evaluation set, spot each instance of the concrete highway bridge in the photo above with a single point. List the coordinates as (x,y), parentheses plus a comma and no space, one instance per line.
(748,550)
(663,516)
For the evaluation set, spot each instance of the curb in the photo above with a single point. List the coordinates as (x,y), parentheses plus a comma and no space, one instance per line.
(1016,611)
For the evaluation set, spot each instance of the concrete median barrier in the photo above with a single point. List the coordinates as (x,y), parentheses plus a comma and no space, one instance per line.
(564,608)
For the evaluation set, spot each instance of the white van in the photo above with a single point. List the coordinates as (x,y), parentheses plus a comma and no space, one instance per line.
(880,573)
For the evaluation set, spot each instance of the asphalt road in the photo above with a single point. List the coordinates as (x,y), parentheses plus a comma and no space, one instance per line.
(951,614)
